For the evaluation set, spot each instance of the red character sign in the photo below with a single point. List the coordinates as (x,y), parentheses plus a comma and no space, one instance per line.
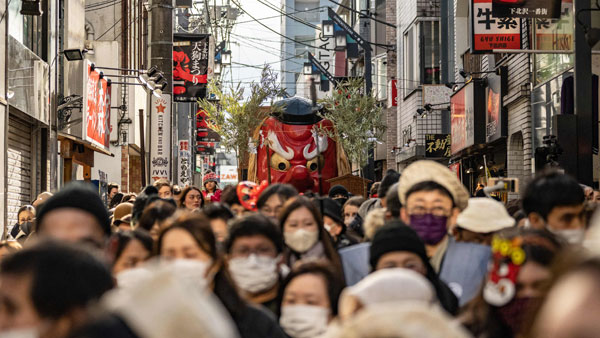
(190,66)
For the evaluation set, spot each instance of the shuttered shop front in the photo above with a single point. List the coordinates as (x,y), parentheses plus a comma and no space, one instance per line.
(20,158)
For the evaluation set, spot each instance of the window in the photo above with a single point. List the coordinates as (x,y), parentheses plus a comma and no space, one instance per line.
(301,48)
(382,79)
(411,76)
(421,55)
(307,10)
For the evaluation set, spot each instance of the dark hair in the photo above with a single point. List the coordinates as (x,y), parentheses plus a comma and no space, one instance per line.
(163,183)
(27,207)
(430,186)
(322,268)
(217,211)
(141,202)
(551,189)
(392,201)
(157,211)
(128,198)
(122,239)
(198,226)
(187,191)
(254,225)
(374,188)
(391,177)
(229,196)
(302,202)
(64,277)
(284,191)
(176,189)
(116,200)
(112,186)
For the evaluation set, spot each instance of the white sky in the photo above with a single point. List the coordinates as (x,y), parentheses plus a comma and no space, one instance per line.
(253,44)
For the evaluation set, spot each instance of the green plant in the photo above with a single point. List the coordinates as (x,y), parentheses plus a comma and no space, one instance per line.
(236,118)
(357,118)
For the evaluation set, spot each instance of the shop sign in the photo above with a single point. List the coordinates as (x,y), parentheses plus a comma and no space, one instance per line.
(393,93)
(461,118)
(160,137)
(489,32)
(96,117)
(184,163)
(556,34)
(495,123)
(205,148)
(228,174)
(455,168)
(205,128)
(190,66)
(546,9)
(438,145)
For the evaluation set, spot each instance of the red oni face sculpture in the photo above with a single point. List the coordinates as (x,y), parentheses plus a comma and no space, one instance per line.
(293,154)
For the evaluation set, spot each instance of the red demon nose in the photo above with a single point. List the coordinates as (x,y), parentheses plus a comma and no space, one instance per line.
(299,177)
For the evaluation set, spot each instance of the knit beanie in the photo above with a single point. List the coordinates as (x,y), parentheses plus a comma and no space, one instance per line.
(396,236)
(80,196)
(331,209)
(391,177)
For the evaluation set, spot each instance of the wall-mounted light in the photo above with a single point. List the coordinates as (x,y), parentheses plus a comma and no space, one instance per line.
(31,7)
(74,54)
(340,40)
(328,28)
(226,58)
(307,69)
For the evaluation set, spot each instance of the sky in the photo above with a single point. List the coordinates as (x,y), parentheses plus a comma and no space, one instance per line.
(254,44)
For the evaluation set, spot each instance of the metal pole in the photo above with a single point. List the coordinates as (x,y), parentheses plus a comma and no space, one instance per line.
(583,95)
(143,148)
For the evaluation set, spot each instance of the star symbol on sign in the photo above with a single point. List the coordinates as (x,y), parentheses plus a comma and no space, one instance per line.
(160,108)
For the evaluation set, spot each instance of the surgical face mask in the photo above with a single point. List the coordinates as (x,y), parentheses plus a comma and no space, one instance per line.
(328,227)
(430,228)
(304,321)
(191,272)
(301,240)
(254,273)
(572,236)
(21,333)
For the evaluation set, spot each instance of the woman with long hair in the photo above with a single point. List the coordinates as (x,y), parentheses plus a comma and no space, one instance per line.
(191,198)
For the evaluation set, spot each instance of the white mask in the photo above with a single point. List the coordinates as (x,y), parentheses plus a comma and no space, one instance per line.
(190,271)
(21,333)
(254,273)
(304,321)
(301,240)
(328,227)
(572,236)
(130,278)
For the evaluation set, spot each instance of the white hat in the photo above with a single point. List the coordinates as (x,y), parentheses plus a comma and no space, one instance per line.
(393,285)
(484,215)
(426,171)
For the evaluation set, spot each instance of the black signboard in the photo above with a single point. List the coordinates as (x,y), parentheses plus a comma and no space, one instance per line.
(205,128)
(438,145)
(190,66)
(546,9)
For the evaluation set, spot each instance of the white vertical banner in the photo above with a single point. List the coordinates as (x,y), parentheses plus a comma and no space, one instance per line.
(184,163)
(160,137)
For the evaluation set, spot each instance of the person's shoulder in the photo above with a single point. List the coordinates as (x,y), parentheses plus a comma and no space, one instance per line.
(262,322)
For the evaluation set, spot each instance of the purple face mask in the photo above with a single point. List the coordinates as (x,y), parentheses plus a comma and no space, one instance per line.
(430,228)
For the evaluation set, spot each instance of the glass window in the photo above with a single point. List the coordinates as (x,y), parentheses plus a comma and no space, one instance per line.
(382,79)
(411,64)
(307,10)
(431,52)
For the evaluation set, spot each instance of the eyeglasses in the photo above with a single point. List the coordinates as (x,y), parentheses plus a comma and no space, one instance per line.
(435,211)
(261,251)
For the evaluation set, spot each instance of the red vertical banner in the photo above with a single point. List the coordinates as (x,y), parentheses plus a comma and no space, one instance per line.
(340,64)
(97,109)
(455,168)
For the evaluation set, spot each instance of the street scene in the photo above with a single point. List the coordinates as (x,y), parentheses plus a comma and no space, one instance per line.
(299,168)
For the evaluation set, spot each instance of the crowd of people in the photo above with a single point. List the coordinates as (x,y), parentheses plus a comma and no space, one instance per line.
(418,257)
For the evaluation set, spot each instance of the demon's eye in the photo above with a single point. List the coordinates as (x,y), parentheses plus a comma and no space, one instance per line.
(279,163)
(312,164)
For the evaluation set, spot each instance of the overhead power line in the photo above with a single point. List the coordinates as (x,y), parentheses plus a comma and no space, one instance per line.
(304,22)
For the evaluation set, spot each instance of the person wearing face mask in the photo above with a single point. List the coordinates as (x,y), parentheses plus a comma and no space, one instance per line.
(254,252)
(46,289)
(431,197)
(333,223)
(309,300)
(23,227)
(188,242)
(271,200)
(131,249)
(515,285)
(396,245)
(350,209)
(339,193)
(304,234)
(555,201)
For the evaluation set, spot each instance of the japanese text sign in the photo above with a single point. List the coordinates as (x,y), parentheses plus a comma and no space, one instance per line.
(490,32)
(205,128)
(160,131)
(461,107)
(556,34)
(546,9)
(495,120)
(96,126)
(190,66)
(438,145)
(184,164)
